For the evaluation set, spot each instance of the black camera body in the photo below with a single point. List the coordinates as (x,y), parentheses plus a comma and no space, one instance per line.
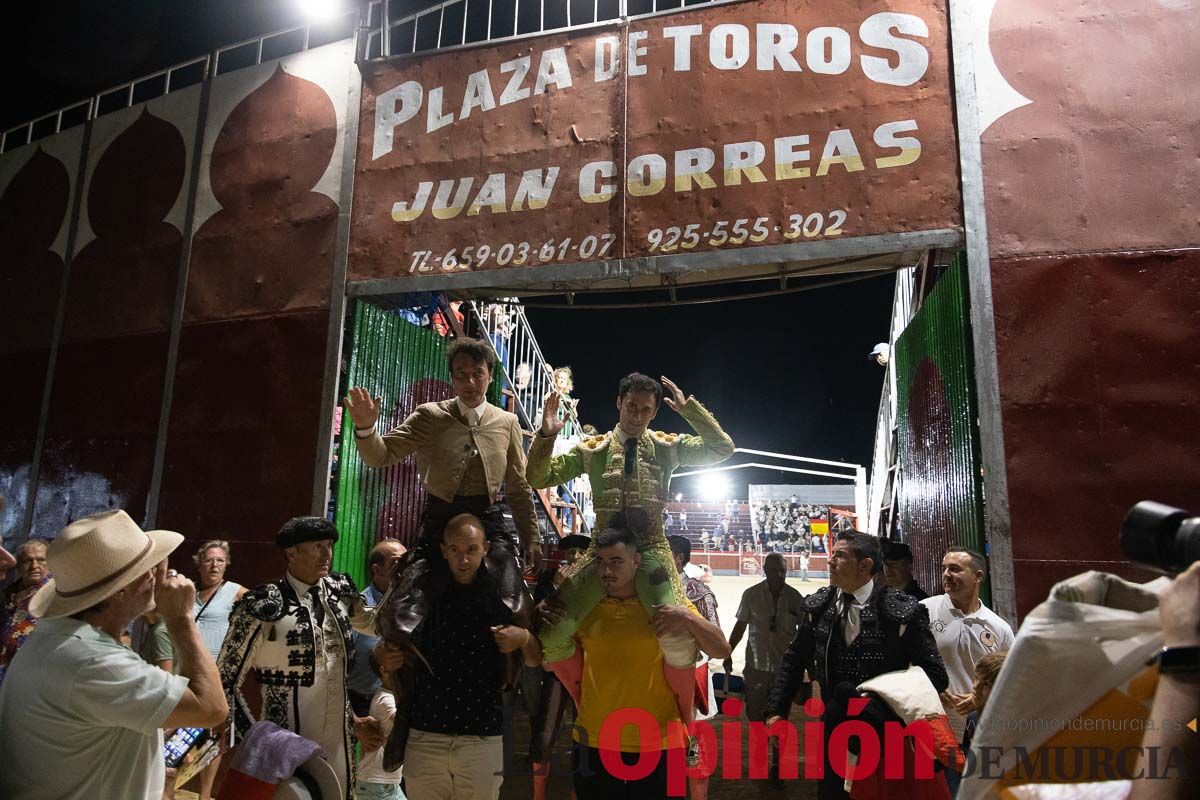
(1160,537)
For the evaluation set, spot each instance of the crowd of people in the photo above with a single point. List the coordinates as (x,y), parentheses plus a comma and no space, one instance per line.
(398,690)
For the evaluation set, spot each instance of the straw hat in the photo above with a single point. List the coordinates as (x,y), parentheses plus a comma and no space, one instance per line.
(95,557)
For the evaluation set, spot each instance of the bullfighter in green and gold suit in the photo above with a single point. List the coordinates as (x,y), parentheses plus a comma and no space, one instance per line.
(629,468)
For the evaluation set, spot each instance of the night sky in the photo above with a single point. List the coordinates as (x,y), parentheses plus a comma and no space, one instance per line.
(788,373)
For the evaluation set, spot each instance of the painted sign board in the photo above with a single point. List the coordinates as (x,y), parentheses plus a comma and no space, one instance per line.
(734,126)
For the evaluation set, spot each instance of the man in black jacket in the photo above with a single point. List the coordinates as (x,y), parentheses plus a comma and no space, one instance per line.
(850,632)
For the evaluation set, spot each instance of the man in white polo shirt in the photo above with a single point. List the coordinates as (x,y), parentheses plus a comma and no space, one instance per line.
(965,630)
(82,715)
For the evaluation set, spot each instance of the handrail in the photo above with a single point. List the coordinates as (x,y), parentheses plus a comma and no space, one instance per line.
(211,68)
(507,331)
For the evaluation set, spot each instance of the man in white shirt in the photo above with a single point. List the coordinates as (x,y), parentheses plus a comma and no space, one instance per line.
(83,715)
(771,611)
(965,629)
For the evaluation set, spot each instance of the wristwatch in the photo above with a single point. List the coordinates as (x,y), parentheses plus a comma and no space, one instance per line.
(1179,660)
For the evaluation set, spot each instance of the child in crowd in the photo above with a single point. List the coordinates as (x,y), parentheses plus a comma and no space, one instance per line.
(373,783)
(987,669)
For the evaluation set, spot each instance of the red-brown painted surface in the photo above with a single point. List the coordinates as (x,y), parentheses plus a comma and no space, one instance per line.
(757,123)
(269,248)
(108,378)
(242,437)
(32,209)
(1093,201)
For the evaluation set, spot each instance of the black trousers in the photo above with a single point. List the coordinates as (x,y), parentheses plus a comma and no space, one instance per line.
(424,575)
(593,782)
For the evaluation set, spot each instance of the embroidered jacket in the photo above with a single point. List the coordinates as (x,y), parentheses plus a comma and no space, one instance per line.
(893,635)
(603,459)
(271,633)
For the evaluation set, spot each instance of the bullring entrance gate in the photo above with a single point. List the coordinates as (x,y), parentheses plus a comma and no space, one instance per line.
(192,243)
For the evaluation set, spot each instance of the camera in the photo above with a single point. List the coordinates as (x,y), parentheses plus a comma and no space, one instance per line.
(1161,537)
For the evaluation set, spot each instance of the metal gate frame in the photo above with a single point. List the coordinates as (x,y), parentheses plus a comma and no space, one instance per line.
(974,237)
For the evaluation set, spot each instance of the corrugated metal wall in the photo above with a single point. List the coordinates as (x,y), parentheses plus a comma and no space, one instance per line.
(405,365)
(940,493)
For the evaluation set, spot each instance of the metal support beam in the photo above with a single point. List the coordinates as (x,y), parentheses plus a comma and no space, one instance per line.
(337,299)
(180,302)
(997,523)
(35,468)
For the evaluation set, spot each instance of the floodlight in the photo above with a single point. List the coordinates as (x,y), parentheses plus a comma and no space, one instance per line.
(679,497)
(320,10)
(714,486)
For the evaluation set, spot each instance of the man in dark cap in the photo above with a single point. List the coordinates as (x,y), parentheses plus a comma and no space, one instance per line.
(897,570)
(294,634)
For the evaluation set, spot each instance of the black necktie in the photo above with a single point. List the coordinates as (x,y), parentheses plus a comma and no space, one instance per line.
(318,606)
(630,457)
(844,615)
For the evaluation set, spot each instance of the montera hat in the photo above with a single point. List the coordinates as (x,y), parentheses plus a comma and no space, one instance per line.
(305,529)
(575,540)
(94,558)
(896,551)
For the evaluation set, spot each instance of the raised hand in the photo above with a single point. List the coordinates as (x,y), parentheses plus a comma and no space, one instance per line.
(674,397)
(363,408)
(551,424)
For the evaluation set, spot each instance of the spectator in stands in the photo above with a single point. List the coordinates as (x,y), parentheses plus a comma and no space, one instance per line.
(667,521)
(523,376)
(770,610)
(90,713)
(966,630)
(705,539)
(804,561)
(16,623)
(683,524)
(897,570)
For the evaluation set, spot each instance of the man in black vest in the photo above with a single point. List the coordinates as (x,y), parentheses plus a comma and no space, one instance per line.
(851,631)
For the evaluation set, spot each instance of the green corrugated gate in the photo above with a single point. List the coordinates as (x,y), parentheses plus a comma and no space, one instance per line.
(403,364)
(940,502)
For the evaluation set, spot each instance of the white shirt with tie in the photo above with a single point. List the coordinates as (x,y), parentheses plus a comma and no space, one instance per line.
(473,416)
(854,613)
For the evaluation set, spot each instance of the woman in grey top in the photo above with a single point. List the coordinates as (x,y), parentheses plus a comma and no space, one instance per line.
(215,597)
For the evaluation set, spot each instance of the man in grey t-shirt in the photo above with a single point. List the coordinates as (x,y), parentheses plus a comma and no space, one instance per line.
(83,703)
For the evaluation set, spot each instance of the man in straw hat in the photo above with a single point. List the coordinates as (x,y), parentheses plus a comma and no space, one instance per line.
(74,698)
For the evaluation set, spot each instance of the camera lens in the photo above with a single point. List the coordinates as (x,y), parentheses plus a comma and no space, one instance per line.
(1161,537)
